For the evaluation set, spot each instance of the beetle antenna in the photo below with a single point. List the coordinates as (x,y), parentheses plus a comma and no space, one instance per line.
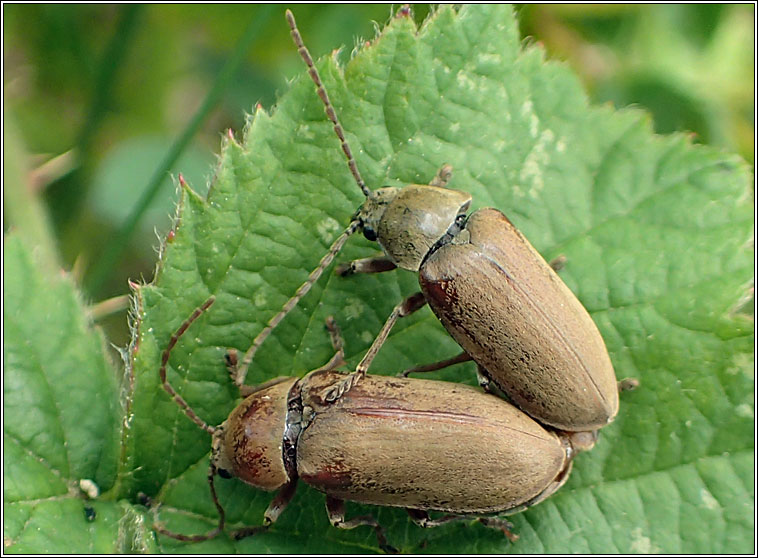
(209,535)
(239,373)
(164,362)
(328,108)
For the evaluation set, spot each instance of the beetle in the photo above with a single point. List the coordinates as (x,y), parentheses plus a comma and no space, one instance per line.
(403,442)
(492,291)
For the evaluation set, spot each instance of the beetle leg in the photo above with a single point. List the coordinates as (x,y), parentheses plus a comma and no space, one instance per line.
(335,362)
(463,357)
(406,307)
(164,363)
(280,501)
(484,380)
(336,510)
(275,508)
(482,377)
(244,532)
(442,177)
(336,336)
(558,263)
(501,525)
(366,265)
(209,535)
(246,391)
(231,358)
(628,384)
(422,519)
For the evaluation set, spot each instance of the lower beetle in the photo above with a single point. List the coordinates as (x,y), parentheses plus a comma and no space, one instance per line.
(411,443)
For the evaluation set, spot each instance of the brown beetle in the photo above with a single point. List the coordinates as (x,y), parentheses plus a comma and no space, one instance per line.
(493,292)
(417,444)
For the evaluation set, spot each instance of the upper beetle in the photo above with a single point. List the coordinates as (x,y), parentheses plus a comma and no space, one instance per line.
(489,287)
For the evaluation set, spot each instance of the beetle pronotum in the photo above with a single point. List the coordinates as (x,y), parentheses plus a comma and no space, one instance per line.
(493,292)
(403,442)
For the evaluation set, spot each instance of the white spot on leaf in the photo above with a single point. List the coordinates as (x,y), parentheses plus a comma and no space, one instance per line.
(488,58)
(527,111)
(367,337)
(744,410)
(304,131)
(742,362)
(464,81)
(709,502)
(536,161)
(259,299)
(327,230)
(353,308)
(640,543)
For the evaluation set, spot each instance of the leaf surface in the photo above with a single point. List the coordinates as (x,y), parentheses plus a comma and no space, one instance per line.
(61,415)
(656,233)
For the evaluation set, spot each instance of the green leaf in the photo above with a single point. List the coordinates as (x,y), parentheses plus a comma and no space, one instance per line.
(656,234)
(61,415)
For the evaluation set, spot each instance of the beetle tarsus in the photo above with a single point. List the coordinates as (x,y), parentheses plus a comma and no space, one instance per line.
(558,262)
(345,269)
(442,177)
(628,384)
(378,264)
(244,532)
(232,361)
(501,525)
(422,519)
(433,367)
(333,393)
(279,503)
(185,538)
(483,380)
(336,510)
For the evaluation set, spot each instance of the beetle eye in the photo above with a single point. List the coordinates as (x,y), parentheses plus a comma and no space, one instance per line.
(369,233)
(224,474)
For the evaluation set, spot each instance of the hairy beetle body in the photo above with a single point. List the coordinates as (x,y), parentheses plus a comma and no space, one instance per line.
(511,312)
(253,442)
(417,444)
(425,444)
(411,443)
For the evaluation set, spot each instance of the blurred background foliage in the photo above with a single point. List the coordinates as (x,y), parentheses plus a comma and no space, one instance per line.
(95,96)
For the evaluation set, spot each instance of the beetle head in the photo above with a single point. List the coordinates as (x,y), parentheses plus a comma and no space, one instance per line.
(408,221)
(249,444)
